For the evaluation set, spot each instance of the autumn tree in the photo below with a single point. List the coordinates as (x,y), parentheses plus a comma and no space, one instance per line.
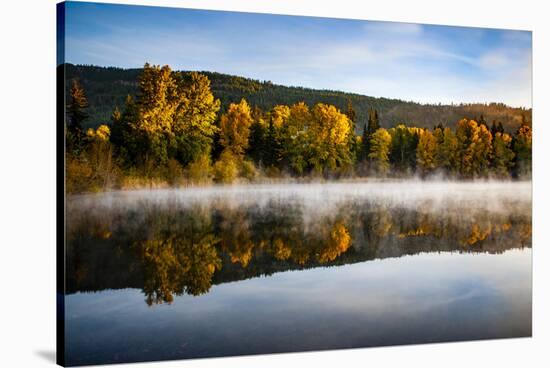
(483,151)
(156,105)
(329,138)
(171,118)
(474,146)
(447,150)
(426,152)
(99,155)
(297,137)
(380,144)
(194,117)
(226,168)
(235,128)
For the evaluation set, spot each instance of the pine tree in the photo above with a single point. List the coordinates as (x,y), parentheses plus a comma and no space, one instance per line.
(503,155)
(258,134)
(351,113)
(403,147)
(496,128)
(522,146)
(76,115)
(482,121)
(365,147)
(353,147)
(272,149)
(373,122)
(369,128)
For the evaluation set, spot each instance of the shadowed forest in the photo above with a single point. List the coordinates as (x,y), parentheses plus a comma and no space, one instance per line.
(174,132)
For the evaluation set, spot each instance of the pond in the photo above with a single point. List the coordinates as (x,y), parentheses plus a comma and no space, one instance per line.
(251,269)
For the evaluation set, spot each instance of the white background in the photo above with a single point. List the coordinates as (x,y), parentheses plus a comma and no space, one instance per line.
(27,181)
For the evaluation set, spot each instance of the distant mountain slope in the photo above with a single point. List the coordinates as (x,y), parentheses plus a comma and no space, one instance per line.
(107,87)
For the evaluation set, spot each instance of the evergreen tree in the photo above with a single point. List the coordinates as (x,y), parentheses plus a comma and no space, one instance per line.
(272,148)
(365,147)
(353,147)
(496,127)
(76,115)
(403,147)
(368,130)
(522,147)
(447,151)
(482,121)
(373,122)
(257,142)
(503,155)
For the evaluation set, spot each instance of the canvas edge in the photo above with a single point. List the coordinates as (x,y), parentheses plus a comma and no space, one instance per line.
(60,183)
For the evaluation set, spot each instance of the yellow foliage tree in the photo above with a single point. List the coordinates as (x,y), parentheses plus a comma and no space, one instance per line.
(99,156)
(446,155)
(329,137)
(294,137)
(235,127)
(474,147)
(226,168)
(426,152)
(198,110)
(380,145)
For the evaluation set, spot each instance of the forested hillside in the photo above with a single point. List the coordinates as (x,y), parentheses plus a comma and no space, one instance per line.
(108,87)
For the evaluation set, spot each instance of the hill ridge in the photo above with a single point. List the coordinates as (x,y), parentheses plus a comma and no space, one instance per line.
(107,87)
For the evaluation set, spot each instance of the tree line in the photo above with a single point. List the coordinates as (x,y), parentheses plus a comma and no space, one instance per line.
(173,132)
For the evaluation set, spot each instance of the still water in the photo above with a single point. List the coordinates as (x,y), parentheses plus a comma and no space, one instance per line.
(204,272)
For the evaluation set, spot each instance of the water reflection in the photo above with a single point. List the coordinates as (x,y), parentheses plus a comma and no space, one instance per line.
(171,245)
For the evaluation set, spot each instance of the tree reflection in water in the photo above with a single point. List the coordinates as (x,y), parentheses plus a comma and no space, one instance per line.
(174,249)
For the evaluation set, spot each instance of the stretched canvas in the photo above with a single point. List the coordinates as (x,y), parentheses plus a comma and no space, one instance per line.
(237,183)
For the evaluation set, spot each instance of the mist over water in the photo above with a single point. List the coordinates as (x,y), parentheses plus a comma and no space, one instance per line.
(212,271)
(321,197)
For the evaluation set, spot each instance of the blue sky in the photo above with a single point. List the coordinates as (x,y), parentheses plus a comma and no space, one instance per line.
(422,63)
